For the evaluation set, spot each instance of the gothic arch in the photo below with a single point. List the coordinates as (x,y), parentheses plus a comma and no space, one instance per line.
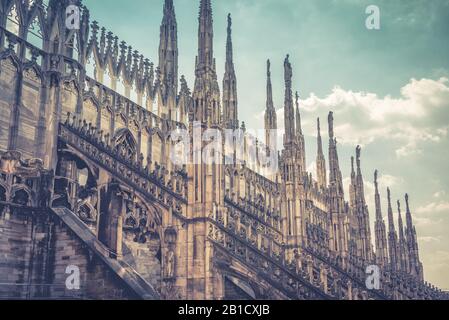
(21,195)
(125,142)
(14,18)
(13,59)
(35,31)
(81,162)
(36,68)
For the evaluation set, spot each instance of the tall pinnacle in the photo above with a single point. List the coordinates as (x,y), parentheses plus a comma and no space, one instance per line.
(270,114)
(412,244)
(300,136)
(400,224)
(205,36)
(298,116)
(408,214)
(393,249)
(380,230)
(377,197)
(391,227)
(206,93)
(320,160)
(270,104)
(229,53)
(335,176)
(168,51)
(230,112)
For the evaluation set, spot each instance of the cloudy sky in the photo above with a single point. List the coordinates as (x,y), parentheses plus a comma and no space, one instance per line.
(389,88)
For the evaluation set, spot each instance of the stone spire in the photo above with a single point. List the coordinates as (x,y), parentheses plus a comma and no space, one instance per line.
(205,36)
(403,261)
(335,176)
(300,137)
(298,116)
(392,236)
(416,268)
(230,112)
(168,61)
(206,93)
(362,211)
(380,230)
(320,160)
(270,113)
(352,187)
(289,114)
(337,207)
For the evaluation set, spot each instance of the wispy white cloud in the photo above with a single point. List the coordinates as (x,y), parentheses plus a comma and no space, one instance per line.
(434,207)
(418,116)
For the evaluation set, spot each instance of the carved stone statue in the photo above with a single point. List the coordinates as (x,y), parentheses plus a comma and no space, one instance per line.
(170,264)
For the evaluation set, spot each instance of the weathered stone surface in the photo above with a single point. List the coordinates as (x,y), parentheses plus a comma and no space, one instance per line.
(88,182)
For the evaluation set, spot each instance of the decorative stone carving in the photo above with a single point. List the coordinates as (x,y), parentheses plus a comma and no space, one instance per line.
(11,163)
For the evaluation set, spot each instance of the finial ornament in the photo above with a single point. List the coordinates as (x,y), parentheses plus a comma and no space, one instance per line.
(376,176)
(330,119)
(288,70)
(268,68)
(358,152)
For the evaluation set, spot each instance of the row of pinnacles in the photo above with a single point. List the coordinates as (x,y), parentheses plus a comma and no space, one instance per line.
(343,229)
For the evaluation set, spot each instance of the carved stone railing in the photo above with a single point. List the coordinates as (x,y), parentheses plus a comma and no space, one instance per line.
(393,284)
(168,191)
(266,254)
(133,110)
(270,265)
(270,220)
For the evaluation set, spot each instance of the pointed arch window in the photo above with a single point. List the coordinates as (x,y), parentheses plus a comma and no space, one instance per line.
(125,144)
(34,35)
(13,21)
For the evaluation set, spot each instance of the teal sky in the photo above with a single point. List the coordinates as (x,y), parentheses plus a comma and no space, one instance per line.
(389,88)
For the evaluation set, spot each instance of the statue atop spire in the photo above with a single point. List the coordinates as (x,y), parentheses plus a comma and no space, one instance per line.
(289,115)
(330,120)
(270,104)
